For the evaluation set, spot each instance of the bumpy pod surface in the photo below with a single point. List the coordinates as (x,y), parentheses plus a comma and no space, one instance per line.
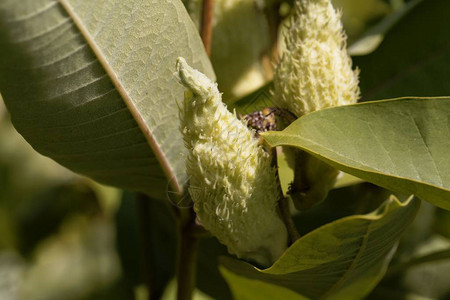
(232,183)
(315,71)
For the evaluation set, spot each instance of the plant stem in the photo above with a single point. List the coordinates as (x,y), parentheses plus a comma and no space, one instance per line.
(145,243)
(187,255)
(283,205)
(206,26)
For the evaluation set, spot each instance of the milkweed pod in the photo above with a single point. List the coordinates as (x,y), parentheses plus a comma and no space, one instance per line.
(315,70)
(232,183)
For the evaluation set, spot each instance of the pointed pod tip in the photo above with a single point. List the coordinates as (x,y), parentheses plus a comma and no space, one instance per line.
(180,72)
(181,64)
(194,80)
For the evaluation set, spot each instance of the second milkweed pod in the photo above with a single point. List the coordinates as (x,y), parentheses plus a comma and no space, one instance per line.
(232,183)
(315,70)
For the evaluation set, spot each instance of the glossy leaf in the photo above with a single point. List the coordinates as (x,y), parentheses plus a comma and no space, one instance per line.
(401,144)
(91,84)
(341,260)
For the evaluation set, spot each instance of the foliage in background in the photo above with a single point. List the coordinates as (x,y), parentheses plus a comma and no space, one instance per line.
(49,217)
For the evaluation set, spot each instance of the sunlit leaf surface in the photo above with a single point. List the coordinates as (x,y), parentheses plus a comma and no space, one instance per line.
(341,260)
(91,84)
(402,144)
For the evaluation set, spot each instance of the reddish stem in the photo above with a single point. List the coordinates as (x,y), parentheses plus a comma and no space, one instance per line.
(206,26)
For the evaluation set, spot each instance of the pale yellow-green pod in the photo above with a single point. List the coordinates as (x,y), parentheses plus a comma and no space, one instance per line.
(315,71)
(231,180)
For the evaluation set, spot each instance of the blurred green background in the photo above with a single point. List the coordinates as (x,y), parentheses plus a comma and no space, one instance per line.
(63,236)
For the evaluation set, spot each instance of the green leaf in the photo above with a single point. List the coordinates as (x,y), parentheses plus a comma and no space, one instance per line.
(399,144)
(442,223)
(373,37)
(257,100)
(209,279)
(413,59)
(420,230)
(240,38)
(358,15)
(357,199)
(247,288)
(345,179)
(91,84)
(171,293)
(161,235)
(341,260)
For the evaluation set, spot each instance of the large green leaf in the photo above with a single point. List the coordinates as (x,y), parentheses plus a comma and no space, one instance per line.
(401,144)
(413,59)
(91,84)
(341,260)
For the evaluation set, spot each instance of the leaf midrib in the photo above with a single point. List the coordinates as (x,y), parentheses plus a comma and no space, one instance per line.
(168,171)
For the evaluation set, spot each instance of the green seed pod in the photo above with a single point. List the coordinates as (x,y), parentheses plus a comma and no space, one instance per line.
(315,70)
(232,183)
